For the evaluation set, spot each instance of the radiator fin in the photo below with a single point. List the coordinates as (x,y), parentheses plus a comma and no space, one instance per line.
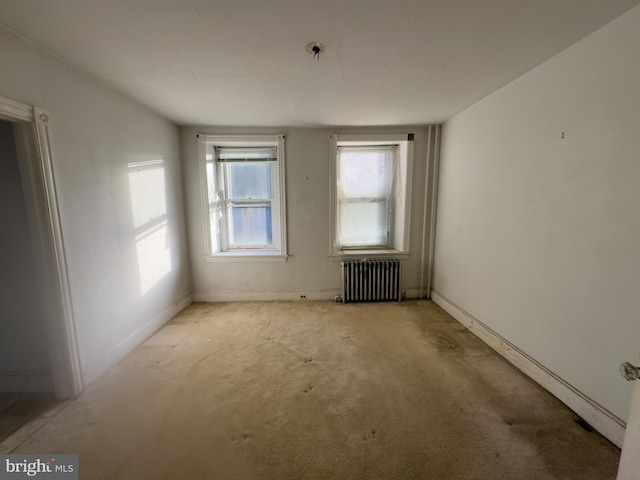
(371,280)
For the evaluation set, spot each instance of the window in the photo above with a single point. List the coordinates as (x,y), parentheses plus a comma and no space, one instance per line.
(371,193)
(244,197)
(365,195)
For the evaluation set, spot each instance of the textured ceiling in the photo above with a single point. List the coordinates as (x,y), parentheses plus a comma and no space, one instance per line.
(243,62)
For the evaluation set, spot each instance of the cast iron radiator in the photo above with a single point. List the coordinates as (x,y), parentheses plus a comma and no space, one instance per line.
(371,280)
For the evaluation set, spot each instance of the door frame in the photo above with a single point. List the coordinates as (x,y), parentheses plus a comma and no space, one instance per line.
(629,468)
(38,181)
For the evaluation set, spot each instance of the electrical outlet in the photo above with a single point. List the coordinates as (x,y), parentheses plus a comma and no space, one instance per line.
(303,297)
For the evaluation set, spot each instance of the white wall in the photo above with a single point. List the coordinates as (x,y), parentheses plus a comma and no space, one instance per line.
(538,236)
(120,292)
(309,270)
(24,359)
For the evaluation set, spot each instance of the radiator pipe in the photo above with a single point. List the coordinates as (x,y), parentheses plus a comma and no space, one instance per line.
(434,205)
(424,211)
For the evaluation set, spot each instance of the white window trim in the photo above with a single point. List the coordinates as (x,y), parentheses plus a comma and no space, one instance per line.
(335,140)
(253,256)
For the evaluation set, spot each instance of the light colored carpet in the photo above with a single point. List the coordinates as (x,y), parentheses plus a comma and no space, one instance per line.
(316,390)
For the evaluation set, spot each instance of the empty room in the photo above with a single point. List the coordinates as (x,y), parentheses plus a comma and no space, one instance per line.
(310,240)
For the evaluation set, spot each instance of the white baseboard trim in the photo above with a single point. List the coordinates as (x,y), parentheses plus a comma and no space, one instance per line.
(280,296)
(138,337)
(593,413)
(264,296)
(30,382)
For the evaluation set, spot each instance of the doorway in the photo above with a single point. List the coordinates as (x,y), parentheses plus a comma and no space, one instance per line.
(38,350)
(26,382)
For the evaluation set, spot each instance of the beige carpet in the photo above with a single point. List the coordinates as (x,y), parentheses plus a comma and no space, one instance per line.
(316,390)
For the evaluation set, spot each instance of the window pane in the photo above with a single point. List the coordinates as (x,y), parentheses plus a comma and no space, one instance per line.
(363,223)
(251,180)
(250,225)
(365,172)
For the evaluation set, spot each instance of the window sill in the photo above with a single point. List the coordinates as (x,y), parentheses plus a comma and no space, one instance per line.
(351,254)
(248,257)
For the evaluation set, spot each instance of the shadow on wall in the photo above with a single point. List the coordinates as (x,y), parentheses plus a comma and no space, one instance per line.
(149,210)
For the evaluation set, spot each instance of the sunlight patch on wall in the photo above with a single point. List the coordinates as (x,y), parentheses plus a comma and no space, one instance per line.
(149,210)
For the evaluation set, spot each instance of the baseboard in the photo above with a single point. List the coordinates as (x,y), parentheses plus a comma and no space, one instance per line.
(281,296)
(138,337)
(593,413)
(264,296)
(26,382)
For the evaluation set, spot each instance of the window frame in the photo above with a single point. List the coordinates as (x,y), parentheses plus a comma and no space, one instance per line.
(399,246)
(386,199)
(206,144)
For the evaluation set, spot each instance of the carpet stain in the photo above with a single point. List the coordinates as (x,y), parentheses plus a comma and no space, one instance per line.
(443,341)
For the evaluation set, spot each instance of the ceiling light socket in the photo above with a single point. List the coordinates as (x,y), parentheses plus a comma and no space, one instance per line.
(317,51)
